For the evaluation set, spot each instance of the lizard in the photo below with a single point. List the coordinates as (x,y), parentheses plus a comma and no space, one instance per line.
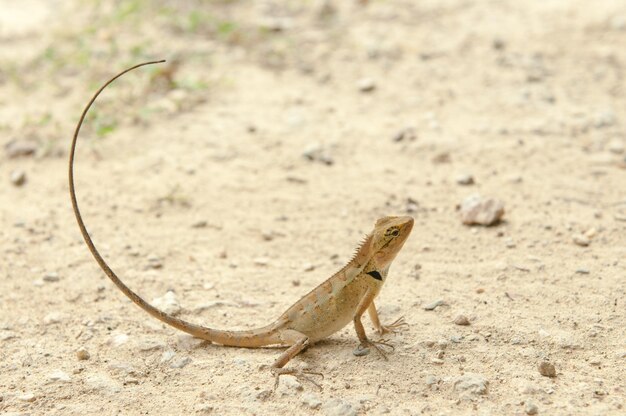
(341,299)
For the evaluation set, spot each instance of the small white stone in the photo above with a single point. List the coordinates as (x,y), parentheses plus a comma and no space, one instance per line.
(59,375)
(180,362)
(581,240)
(476,210)
(6,335)
(51,277)
(168,303)
(167,355)
(146,346)
(289,385)
(27,397)
(53,318)
(311,400)
(261,261)
(616,146)
(530,408)
(308,267)
(18,177)
(338,407)
(472,384)
(433,305)
(618,22)
(187,342)
(465,179)
(366,85)
(118,339)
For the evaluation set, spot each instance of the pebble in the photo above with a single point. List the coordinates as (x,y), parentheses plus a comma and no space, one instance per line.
(581,240)
(472,384)
(432,380)
(547,369)
(118,340)
(51,277)
(187,342)
(59,375)
(103,383)
(27,397)
(276,24)
(261,261)
(82,354)
(596,361)
(167,355)
(267,235)
(582,271)
(618,22)
(18,178)
(411,205)
(475,210)
(366,85)
(530,408)
(6,335)
(154,262)
(146,346)
(53,318)
(616,146)
(338,407)
(311,400)
(315,152)
(289,385)
(433,305)
(200,224)
(465,179)
(407,134)
(308,267)
(20,148)
(360,351)
(168,303)
(443,157)
(180,362)
(461,320)
(456,338)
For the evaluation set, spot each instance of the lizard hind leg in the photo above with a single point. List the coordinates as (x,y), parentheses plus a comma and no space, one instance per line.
(297,342)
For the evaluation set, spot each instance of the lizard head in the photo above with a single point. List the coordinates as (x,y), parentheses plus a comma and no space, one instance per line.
(388,237)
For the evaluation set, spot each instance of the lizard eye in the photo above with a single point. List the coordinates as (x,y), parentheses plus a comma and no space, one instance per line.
(394,233)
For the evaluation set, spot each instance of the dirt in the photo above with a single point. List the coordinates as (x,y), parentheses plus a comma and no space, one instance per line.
(244,171)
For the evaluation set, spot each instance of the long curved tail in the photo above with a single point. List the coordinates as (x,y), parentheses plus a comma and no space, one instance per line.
(252,338)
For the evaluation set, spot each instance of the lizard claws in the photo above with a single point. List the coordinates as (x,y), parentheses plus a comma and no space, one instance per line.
(300,375)
(398,325)
(363,348)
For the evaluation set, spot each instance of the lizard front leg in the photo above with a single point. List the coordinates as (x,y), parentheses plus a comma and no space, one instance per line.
(297,342)
(396,326)
(363,349)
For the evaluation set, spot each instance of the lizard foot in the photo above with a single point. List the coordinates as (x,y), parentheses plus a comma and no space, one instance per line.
(398,325)
(300,375)
(379,346)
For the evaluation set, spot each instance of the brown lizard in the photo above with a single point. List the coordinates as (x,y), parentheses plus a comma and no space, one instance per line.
(341,299)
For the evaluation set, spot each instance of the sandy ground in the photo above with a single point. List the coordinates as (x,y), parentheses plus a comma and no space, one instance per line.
(193,178)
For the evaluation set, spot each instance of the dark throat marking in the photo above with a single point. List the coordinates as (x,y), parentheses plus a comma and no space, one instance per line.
(375,275)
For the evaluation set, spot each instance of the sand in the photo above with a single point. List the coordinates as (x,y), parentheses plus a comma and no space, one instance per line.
(245,171)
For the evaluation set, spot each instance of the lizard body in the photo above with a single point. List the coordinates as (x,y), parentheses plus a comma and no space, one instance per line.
(341,299)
